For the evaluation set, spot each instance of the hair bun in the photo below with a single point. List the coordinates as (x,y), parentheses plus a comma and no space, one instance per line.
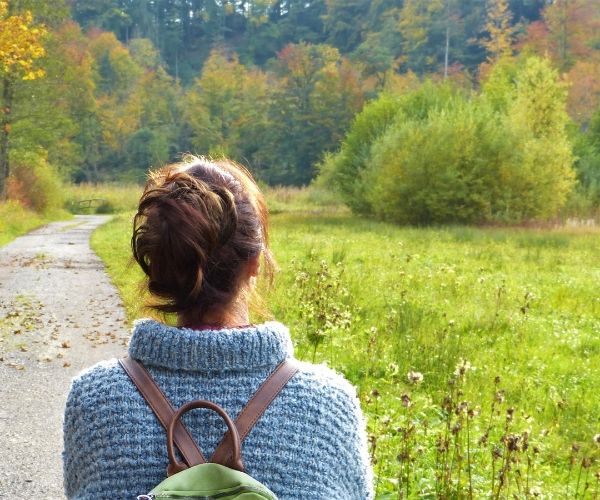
(196,228)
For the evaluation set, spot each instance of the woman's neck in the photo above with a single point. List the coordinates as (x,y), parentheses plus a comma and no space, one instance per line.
(234,316)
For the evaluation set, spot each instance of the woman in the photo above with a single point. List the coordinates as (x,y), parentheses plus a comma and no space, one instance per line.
(199,234)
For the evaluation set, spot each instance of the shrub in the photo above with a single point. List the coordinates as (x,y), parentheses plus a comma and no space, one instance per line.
(34,183)
(436,155)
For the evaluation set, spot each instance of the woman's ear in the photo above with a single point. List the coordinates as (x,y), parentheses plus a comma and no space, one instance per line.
(253,266)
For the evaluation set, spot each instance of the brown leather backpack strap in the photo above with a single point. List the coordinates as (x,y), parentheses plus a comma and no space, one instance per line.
(255,408)
(163,410)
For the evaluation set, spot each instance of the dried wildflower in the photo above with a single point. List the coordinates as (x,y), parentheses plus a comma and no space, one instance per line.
(462,407)
(442,445)
(512,442)
(524,440)
(535,491)
(415,377)
(386,420)
(456,428)
(575,448)
(497,379)
(586,462)
(597,475)
(462,368)
(375,393)
(473,412)
(510,412)
(597,439)
(406,402)
(447,403)
(496,452)
(499,397)
(483,439)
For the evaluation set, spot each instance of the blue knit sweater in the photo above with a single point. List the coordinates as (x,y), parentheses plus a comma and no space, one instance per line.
(309,444)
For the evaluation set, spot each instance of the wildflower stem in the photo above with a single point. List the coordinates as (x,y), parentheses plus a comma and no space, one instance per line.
(469,459)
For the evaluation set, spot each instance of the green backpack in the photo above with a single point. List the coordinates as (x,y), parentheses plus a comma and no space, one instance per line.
(194,477)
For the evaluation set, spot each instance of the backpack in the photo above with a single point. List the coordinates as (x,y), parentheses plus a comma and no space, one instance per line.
(222,478)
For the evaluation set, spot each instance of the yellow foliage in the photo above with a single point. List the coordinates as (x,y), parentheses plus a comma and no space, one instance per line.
(499,43)
(20,44)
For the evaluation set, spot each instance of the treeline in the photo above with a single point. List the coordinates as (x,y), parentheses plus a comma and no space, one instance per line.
(103,89)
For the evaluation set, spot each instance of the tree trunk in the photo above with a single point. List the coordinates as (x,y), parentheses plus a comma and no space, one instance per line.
(7,97)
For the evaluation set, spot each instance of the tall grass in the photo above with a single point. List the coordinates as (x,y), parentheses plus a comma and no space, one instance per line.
(16,220)
(475,352)
(102,198)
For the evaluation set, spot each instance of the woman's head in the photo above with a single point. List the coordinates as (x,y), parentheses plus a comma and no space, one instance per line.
(200,229)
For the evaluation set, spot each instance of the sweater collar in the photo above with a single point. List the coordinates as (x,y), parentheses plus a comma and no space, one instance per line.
(228,349)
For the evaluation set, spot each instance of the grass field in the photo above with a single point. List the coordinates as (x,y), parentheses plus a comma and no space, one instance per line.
(476,352)
(16,220)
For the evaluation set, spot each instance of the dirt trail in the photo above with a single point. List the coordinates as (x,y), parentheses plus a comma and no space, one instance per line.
(59,313)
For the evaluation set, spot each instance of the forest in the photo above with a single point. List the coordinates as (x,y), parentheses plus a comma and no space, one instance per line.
(102,90)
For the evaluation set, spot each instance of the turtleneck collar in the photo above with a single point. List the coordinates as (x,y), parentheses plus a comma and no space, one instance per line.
(228,349)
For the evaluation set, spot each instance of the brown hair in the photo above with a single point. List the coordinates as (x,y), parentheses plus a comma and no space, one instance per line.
(198,223)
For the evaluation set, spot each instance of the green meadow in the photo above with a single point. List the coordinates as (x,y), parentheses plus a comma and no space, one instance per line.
(475,351)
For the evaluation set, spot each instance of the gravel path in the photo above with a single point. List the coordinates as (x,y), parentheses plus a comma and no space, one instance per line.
(59,313)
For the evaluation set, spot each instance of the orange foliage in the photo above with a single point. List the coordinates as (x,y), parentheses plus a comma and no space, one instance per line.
(584,92)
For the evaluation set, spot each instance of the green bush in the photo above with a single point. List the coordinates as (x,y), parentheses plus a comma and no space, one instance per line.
(436,155)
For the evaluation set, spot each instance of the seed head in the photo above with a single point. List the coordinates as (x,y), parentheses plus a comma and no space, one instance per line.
(512,442)
(510,412)
(406,402)
(462,407)
(415,378)
(462,368)
(597,439)
(535,491)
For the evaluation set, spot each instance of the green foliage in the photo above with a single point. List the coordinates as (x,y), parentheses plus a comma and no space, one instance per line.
(316,99)
(445,169)
(435,155)
(342,171)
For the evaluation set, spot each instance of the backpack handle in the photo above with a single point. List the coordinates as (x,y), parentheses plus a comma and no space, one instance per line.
(177,466)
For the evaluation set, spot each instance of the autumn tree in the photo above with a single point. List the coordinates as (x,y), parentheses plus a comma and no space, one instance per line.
(227,109)
(21,45)
(318,92)
(499,33)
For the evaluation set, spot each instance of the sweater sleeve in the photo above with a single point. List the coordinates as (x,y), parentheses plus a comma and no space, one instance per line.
(83,436)
(74,468)
(341,448)
(357,471)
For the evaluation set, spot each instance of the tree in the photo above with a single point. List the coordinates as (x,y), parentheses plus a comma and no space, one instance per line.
(52,113)
(317,94)
(227,110)
(498,43)
(21,45)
